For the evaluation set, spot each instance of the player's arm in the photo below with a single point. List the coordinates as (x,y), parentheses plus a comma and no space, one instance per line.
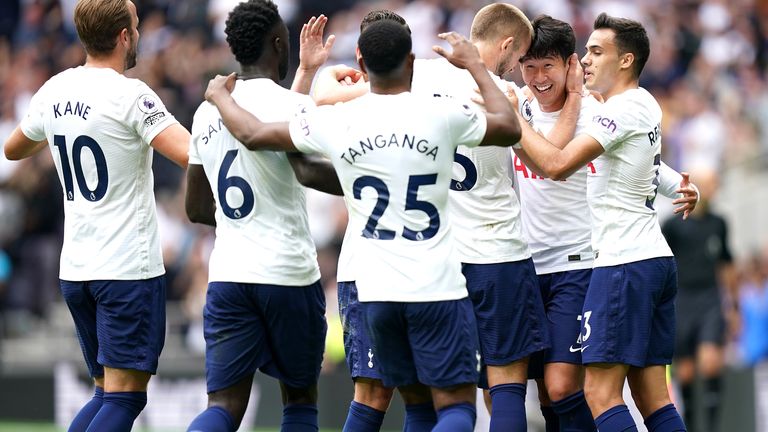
(173,143)
(565,126)
(199,202)
(503,126)
(553,162)
(679,188)
(18,146)
(244,126)
(312,53)
(339,83)
(316,172)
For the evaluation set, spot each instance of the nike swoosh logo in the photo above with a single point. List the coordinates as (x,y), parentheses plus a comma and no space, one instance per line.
(580,349)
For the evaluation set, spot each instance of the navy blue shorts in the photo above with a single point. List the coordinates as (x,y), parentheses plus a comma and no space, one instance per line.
(120,323)
(629,314)
(357,343)
(510,315)
(563,294)
(433,343)
(277,329)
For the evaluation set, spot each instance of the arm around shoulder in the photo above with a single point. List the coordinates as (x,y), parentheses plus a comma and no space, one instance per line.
(316,172)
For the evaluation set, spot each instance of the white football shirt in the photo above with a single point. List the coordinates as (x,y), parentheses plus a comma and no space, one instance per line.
(394,155)
(262,232)
(99,124)
(556,220)
(484,207)
(622,190)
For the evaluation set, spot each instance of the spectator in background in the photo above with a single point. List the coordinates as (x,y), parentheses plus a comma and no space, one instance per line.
(704,263)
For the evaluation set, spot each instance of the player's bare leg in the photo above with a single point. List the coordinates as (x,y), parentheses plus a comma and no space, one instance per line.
(233,400)
(565,402)
(299,408)
(420,414)
(373,393)
(125,395)
(455,407)
(603,385)
(649,390)
(561,381)
(370,403)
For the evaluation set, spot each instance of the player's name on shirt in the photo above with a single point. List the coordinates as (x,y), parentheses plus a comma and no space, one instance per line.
(213,129)
(80,109)
(393,141)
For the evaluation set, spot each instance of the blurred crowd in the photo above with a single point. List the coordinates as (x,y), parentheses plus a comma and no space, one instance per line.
(707,68)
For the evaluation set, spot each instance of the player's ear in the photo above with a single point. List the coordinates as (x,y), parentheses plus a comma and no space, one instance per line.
(361,63)
(626,60)
(508,43)
(124,37)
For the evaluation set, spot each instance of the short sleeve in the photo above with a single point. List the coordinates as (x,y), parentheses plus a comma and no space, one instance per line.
(523,104)
(312,129)
(32,124)
(612,123)
(467,124)
(147,114)
(198,131)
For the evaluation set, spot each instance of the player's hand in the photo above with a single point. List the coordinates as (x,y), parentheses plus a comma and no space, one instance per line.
(528,93)
(464,54)
(220,86)
(690,196)
(512,96)
(346,75)
(595,94)
(312,51)
(574,78)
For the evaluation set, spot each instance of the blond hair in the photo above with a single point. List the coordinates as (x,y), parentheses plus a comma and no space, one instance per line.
(499,21)
(99,22)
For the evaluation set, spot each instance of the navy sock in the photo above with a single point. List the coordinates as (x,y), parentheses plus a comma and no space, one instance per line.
(87,412)
(420,417)
(551,420)
(299,418)
(456,418)
(362,418)
(616,419)
(118,412)
(574,413)
(213,419)
(508,408)
(665,419)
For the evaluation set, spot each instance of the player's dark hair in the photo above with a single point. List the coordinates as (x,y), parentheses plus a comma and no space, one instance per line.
(99,22)
(382,14)
(630,37)
(247,27)
(551,37)
(384,45)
